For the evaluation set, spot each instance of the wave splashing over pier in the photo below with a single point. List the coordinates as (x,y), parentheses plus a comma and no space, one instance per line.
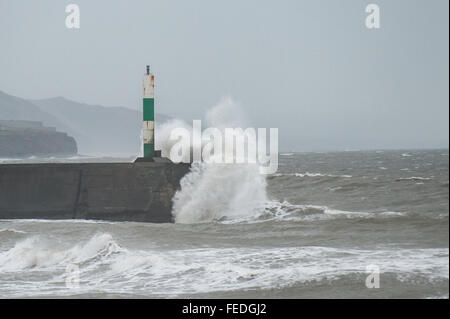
(218,191)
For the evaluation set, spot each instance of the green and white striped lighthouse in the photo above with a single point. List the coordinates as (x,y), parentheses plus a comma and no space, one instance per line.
(148,104)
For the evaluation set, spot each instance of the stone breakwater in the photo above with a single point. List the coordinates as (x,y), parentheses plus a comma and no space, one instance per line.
(140,192)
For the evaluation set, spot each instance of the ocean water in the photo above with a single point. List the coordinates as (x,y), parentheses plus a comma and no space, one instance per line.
(312,230)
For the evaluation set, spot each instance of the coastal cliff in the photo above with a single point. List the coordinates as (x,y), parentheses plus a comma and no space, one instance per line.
(31,138)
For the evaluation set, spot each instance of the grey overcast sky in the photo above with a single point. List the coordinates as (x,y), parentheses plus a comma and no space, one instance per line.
(309,67)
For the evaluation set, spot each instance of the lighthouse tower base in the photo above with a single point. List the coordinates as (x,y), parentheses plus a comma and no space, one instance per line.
(157,158)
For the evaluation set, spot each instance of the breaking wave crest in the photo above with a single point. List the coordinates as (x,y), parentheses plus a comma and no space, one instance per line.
(285,211)
(36,252)
(11,231)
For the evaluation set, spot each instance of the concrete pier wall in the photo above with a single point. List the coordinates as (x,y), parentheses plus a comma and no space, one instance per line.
(104,191)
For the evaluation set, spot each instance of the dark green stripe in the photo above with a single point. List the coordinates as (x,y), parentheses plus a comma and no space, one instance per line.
(149,109)
(149,150)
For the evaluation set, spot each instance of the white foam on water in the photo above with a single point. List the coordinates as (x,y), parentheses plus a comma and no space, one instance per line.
(414,178)
(56,221)
(307,174)
(6,159)
(107,267)
(10,230)
(444,296)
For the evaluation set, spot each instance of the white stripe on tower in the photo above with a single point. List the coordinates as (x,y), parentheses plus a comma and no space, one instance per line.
(149,88)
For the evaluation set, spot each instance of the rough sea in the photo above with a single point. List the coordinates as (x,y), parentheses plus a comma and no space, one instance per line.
(316,229)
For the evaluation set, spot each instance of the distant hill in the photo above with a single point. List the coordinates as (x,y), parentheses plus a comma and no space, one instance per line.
(14,108)
(98,130)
